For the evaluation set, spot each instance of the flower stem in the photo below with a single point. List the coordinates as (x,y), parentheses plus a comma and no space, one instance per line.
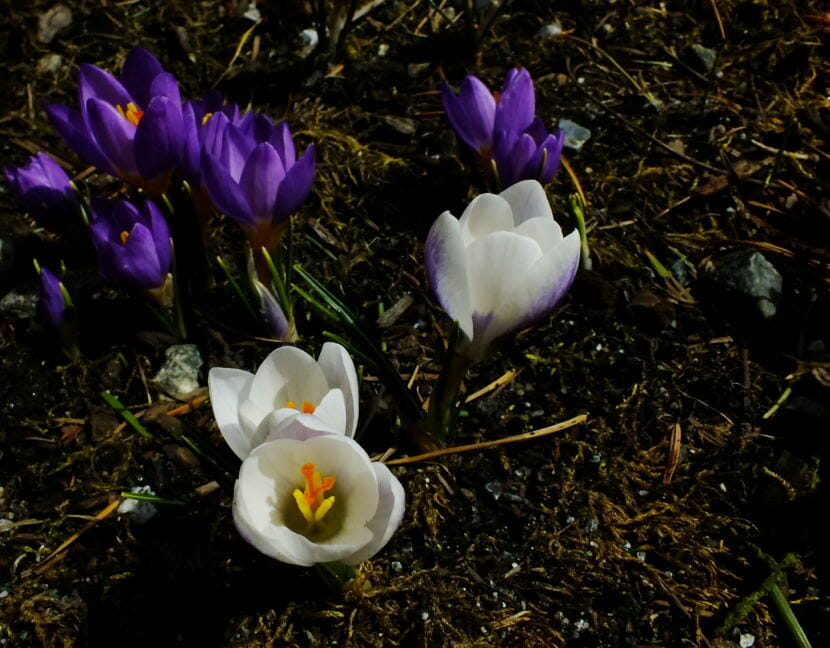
(335,575)
(443,402)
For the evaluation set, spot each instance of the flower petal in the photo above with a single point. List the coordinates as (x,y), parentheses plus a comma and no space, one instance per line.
(224,191)
(139,70)
(287,423)
(259,181)
(70,125)
(486,213)
(528,200)
(471,113)
(113,134)
(332,411)
(228,389)
(295,186)
(388,516)
(446,265)
(159,138)
(138,260)
(338,368)
(95,83)
(517,103)
(288,374)
(284,144)
(545,231)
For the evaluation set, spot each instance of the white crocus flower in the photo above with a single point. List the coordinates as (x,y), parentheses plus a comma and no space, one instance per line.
(502,266)
(287,382)
(311,495)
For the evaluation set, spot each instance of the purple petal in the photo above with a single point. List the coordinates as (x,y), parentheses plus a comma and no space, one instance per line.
(262,128)
(161,234)
(140,68)
(95,83)
(225,192)
(552,147)
(138,262)
(114,135)
(159,138)
(165,85)
(517,104)
(260,179)
(446,266)
(70,125)
(284,143)
(471,113)
(295,187)
(272,313)
(191,147)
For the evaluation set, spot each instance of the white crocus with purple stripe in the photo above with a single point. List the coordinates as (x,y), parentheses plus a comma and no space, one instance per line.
(246,406)
(502,266)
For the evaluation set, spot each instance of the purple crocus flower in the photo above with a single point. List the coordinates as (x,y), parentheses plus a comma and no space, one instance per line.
(45,190)
(52,303)
(133,245)
(132,128)
(252,174)
(512,144)
(501,267)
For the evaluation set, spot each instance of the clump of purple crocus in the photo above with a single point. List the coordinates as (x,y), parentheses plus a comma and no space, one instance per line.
(133,246)
(131,128)
(251,172)
(511,142)
(45,191)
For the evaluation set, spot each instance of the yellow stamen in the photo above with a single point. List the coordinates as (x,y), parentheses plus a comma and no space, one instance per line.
(206,117)
(291,404)
(311,502)
(132,114)
(124,236)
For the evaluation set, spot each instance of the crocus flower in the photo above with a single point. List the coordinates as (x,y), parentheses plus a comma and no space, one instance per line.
(131,128)
(53,299)
(315,497)
(510,141)
(502,266)
(45,190)
(133,245)
(272,313)
(287,382)
(252,174)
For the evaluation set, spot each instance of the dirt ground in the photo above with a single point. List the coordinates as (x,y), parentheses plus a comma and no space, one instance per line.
(697,484)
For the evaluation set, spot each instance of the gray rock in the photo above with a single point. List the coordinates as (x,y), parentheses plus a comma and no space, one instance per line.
(575,135)
(19,304)
(179,375)
(52,22)
(706,55)
(750,279)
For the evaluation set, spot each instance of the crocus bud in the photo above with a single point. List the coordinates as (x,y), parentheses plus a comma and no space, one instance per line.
(287,382)
(511,143)
(272,313)
(133,245)
(131,128)
(53,299)
(45,191)
(502,266)
(310,494)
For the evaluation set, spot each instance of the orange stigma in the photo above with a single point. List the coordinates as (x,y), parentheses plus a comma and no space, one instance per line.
(311,502)
(306,408)
(124,236)
(132,114)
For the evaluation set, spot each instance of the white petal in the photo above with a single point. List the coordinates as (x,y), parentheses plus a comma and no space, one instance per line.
(486,213)
(527,199)
(545,231)
(446,265)
(250,417)
(332,411)
(228,390)
(387,517)
(339,371)
(295,425)
(288,374)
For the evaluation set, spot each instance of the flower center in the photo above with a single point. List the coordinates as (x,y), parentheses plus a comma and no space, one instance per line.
(124,237)
(306,407)
(132,114)
(311,502)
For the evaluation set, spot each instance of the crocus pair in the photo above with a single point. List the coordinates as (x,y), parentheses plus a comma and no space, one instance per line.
(45,190)
(133,246)
(307,492)
(502,266)
(512,144)
(131,128)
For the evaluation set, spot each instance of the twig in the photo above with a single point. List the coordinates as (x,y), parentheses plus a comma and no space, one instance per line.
(535,434)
